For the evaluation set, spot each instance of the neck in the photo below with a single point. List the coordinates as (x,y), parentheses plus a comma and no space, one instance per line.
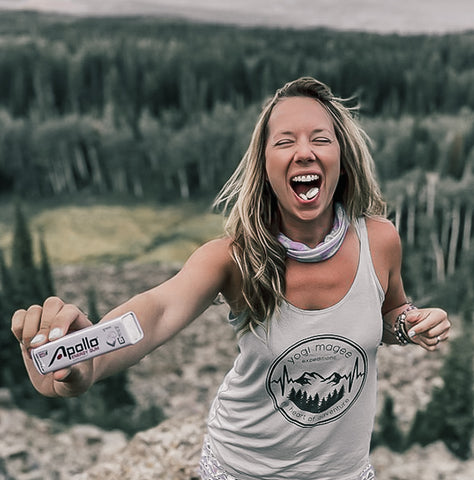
(310,233)
(303,251)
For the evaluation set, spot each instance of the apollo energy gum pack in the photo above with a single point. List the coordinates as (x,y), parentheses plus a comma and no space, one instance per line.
(87,343)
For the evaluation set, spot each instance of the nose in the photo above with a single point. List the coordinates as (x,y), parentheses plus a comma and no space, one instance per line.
(304,152)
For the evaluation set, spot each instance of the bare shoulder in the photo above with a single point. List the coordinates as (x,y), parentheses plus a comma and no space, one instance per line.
(206,273)
(382,234)
(386,251)
(214,259)
(214,254)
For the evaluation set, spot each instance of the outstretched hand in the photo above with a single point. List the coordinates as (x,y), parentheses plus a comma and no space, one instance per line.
(40,324)
(428,327)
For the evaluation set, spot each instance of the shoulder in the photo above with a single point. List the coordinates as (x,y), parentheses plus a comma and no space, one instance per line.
(385,249)
(382,234)
(217,252)
(215,258)
(207,270)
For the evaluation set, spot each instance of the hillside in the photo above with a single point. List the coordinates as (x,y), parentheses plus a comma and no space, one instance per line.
(419,16)
(182,377)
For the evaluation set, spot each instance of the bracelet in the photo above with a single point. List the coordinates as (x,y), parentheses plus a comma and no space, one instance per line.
(400,326)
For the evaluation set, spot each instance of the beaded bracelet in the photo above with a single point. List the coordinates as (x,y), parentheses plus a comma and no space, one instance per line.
(400,326)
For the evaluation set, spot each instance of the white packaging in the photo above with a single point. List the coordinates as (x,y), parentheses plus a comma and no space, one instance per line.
(87,343)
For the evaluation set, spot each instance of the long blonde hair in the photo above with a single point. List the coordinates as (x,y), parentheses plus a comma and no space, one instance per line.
(252,206)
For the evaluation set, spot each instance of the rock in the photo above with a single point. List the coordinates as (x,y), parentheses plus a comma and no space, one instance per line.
(6,399)
(182,378)
(170,451)
(433,462)
(31,449)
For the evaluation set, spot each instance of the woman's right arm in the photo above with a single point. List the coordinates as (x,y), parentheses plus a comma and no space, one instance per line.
(162,312)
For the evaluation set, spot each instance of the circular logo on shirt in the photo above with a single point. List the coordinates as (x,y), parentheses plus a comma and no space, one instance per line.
(316,380)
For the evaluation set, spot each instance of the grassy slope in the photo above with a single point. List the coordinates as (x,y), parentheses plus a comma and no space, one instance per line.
(114,232)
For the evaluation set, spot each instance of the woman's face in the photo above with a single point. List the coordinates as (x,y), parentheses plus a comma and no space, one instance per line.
(302,160)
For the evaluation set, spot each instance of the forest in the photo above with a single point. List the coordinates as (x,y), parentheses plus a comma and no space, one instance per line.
(162,110)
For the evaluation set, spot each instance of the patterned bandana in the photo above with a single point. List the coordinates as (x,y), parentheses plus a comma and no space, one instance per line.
(324,250)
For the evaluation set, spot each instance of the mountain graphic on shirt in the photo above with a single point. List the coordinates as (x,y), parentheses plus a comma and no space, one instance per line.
(315,393)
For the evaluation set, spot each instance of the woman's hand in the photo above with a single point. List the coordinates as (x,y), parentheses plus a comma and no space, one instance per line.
(40,324)
(428,327)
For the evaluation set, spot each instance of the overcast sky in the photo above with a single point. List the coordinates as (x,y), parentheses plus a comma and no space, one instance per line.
(404,16)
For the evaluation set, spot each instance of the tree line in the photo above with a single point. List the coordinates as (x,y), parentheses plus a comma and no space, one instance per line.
(85,66)
(160,109)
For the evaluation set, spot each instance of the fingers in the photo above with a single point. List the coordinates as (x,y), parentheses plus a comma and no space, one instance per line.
(39,324)
(429,327)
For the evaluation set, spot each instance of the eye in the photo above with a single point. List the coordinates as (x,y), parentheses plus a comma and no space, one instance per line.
(283,142)
(322,140)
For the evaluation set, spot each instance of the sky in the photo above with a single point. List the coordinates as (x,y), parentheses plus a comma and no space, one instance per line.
(400,16)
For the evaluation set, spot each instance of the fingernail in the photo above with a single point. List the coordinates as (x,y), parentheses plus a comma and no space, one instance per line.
(411,333)
(38,339)
(55,333)
(65,376)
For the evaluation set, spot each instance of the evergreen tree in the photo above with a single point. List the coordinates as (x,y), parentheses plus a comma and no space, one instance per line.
(389,433)
(92,311)
(45,273)
(23,271)
(20,288)
(6,344)
(449,415)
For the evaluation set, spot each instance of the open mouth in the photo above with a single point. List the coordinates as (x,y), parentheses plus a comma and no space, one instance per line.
(306,186)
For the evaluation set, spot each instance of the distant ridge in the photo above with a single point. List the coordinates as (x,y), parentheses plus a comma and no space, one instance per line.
(387,16)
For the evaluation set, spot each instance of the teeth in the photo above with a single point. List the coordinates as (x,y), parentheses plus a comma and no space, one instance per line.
(305,178)
(310,194)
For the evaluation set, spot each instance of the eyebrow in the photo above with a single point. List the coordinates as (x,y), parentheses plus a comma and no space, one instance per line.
(316,130)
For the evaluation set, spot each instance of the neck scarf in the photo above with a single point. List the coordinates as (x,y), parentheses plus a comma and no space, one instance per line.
(324,250)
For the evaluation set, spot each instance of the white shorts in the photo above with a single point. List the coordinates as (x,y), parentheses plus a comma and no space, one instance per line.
(211,469)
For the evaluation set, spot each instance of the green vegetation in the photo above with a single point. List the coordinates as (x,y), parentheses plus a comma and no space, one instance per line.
(448,416)
(94,232)
(162,111)
(109,404)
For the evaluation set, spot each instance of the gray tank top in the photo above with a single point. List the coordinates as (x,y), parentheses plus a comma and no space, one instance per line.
(299,402)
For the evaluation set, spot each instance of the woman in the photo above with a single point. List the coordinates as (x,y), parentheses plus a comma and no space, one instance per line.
(311,272)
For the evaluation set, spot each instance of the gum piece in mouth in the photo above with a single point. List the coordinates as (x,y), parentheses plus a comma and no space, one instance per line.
(310,194)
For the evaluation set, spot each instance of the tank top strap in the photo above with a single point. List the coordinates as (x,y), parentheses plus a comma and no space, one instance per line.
(365,255)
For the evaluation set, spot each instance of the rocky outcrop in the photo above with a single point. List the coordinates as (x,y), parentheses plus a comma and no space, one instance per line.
(31,450)
(170,451)
(182,377)
(433,462)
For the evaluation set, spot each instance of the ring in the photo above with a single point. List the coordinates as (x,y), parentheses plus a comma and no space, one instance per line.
(438,339)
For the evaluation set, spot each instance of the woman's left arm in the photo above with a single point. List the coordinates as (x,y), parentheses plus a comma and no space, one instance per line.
(403,322)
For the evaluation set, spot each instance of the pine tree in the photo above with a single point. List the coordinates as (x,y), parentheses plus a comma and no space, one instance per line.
(92,311)
(20,288)
(389,433)
(449,415)
(45,273)
(23,271)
